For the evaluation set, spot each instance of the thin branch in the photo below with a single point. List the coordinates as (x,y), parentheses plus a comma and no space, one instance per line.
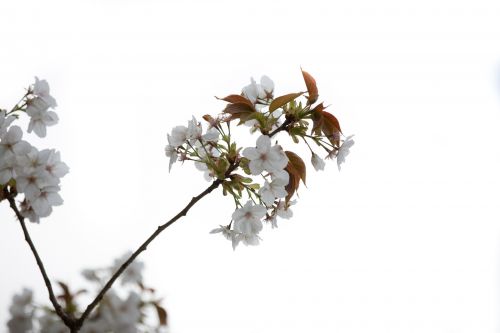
(142,248)
(59,310)
(75,324)
(282,127)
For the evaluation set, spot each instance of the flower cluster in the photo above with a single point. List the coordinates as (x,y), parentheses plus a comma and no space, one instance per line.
(120,310)
(262,179)
(23,168)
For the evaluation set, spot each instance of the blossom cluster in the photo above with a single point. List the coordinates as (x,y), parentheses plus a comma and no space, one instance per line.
(121,310)
(23,167)
(262,179)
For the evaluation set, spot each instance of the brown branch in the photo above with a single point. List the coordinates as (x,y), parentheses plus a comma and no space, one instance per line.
(283,127)
(59,310)
(142,248)
(75,324)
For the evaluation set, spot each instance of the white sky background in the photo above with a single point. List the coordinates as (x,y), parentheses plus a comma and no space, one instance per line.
(405,239)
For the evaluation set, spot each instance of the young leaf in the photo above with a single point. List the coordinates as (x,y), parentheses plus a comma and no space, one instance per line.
(282,100)
(312,89)
(297,166)
(237,99)
(331,127)
(162,314)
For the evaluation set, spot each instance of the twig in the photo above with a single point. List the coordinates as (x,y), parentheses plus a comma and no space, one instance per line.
(59,310)
(142,248)
(75,324)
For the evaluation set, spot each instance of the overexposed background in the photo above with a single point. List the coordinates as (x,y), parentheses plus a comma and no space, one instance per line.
(405,239)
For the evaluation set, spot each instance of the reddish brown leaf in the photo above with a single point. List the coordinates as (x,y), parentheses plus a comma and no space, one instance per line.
(162,314)
(292,185)
(331,127)
(238,108)
(282,100)
(297,165)
(312,89)
(237,99)
(317,118)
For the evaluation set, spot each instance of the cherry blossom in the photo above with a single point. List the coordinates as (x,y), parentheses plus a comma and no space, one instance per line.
(42,90)
(179,136)
(272,190)
(247,221)
(255,92)
(40,116)
(317,162)
(344,150)
(171,152)
(11,143)
(5,122)
(265,157)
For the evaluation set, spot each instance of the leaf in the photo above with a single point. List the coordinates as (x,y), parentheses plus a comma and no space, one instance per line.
(292,186)
(312,89)
(317,118)
(237,99)
(162,314)
(331,127)
(297,166)
(282,100)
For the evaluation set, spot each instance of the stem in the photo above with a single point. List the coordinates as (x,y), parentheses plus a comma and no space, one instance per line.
(282,127)
(59,310)
(143,247)
(75,324)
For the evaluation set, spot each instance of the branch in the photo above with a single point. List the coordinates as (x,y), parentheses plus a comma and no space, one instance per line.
(75,324)
(283,127)
(59,310)
(143,247)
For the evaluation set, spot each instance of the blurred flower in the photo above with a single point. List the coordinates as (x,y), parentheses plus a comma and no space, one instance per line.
(42,90)
(344,150)
(317,162)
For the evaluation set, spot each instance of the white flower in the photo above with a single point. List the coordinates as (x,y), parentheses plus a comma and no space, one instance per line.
(53,165)
(179,136)
(5,122)
(11,143)
(265,157)
(31,161)
(8,165)
(283,209)
(171,151)
(21,311)
(47,197)
(42,90)
(20,302)
(194,130)
(275,189)
(30,183)
(208,174)
(28,212)
(255,92)
(37,109)
(267,84)
(247,219)
(121,315)
(212,135)
(133,273)
(317,162)
(280,174)
(247,239)
(225,231)
(344,150)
